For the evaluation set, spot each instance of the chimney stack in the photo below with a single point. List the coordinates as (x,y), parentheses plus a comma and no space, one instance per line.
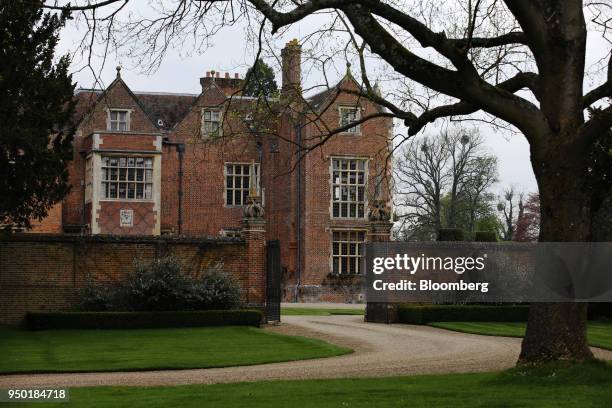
(229,85)
(292,69)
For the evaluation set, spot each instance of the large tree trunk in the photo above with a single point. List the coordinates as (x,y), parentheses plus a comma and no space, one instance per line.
(558,331)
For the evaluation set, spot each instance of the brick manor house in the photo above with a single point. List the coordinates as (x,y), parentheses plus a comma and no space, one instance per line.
(150,163)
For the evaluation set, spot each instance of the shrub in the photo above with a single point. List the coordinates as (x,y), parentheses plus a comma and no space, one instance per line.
(412,314)
(142,320)
(214,291)
(451,234)
(159,286)
(95,297)
(485,236)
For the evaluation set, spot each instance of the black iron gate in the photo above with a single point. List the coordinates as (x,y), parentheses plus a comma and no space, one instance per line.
(273,281)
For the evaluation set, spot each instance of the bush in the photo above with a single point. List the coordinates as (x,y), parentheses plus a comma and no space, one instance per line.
(160,286)
(412,314)
(485,236)
(215,291)
(451,234)
(96,297)
(142,320)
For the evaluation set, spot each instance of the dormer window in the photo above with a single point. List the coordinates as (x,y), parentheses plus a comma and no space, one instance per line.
(118,120)
(348,115)
(211,122)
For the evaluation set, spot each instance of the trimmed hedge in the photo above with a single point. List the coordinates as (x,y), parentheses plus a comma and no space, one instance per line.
(485,236)
(451,234)
(142,320)
(412,314)
(600,310)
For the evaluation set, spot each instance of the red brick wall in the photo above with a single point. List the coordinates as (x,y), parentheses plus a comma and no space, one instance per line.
(144,218)
(127,141)
(44,272)
(51,224)
(372,142)
(204,210)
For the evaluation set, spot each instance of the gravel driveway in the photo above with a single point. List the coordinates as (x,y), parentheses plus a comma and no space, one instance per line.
(380,350)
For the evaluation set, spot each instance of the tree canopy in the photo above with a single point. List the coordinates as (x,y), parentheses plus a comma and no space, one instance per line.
(36,107)
(260,81)
(443,181)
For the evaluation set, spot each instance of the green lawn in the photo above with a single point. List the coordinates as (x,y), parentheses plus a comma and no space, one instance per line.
(151,349)
(599,333)
(313,311)
(586,385)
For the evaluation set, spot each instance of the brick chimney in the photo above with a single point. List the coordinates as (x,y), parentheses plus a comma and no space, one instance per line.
(228,84)
(292,69)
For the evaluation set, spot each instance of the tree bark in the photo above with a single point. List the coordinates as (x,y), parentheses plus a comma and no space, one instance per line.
(558,331)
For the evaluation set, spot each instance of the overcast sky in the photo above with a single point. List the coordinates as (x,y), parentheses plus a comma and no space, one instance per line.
(180,72)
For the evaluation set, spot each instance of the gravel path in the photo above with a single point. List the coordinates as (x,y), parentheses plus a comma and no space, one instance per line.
(380,350)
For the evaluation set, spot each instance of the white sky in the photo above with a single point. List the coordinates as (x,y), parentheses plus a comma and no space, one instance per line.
(227,53)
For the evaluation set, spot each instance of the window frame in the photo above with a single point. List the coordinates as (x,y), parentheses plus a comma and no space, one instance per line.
(355,130)
(241,175)
(359,253)
(104,196)
(109,122)
(348,203)
(219,132)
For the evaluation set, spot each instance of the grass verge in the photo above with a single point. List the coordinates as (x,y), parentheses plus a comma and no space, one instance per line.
(152,349)
(585,385)
(599,333)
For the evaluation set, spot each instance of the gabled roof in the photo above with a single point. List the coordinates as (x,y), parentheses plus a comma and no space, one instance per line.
(320,100)
(169,107)
(164,109)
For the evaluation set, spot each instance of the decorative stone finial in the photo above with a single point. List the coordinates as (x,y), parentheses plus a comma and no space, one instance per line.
(253,209)
(118,71)
(379,211)
(376,89)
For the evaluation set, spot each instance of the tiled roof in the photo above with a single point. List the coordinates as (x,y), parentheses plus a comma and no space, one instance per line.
(168,107)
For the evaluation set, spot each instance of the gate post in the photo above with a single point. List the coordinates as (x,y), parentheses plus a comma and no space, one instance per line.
(379,230)
(254,233)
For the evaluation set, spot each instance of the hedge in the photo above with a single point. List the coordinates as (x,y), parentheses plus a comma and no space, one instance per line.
(600,310)
(451,234)
(412,314)
(142,320)
(485,236)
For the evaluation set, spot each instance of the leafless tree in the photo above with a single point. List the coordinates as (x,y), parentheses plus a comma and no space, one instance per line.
(510,208)
(518,64)
(442,181)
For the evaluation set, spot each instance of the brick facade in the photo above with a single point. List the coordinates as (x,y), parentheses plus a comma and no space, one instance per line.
(189,181)
(70,260)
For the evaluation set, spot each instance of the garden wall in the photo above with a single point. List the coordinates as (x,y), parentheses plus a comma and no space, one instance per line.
(44,272)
